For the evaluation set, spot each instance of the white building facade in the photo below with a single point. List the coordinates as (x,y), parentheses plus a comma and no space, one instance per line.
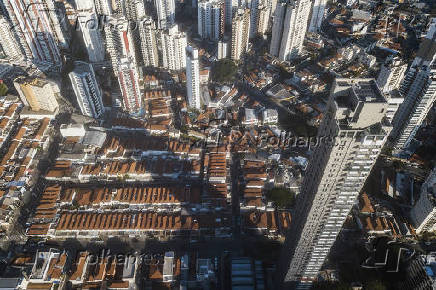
(39,31)
(318,11)
(336,173)
(174,45)
(240,33)
(88,24)
(423,213)
(87,91)
(166,13)
(193,78)
(129,85)
(149,50)
(211,21)
(294,29)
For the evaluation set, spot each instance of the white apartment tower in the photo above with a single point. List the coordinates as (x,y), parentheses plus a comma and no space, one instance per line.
(39,31)
(294,29)
(120,42)
(88,24)
(211,19)
(133,9)
(318,12)
(223,49)
(87,91)
(391,74)
(419,91)
(129,85)
(9,44)
(423,213)
(349,141)
(166,11)
(149,52)
(263,18)
(240,33)
(193,78)
(102,7)
(277,28)
(173,48)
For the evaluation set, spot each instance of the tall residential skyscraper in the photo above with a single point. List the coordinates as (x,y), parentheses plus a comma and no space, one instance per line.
(120,42)
(133,9)
(211,19)
(230,9)
(254,5)
(349,141)
(277,28)
(147,32)
(173,48)
(294,29)
(166,13)
(37,92)
(391,74)
(129,85)
(88,24)
(223,49)
(102,7)
(87,91)
(318,11)
(240,33)
(263,18)
(39,30)
(419,91)
(423,213)
(9,45)
(193,77)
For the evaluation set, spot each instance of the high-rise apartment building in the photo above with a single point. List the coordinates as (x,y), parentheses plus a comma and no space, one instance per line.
(88,24)
(86,88)
(419,91)
(294,30)
(289,29)
(254,5)
(423,213)
(102,7)
(129,85)
(240,33)
(230,8)
(37,92)
(173,48)
(148,33)
(193,77)
(263,19)
(349,141)
(132,9)
(211,19)
(223,49)
(277,28)
(120,42)
(166,13)
(391,74)
(318,11)
(39,30)
(9,46)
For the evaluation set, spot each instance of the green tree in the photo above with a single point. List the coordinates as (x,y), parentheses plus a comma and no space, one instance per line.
(281,196)
(375,285)
(224,70)
(3,89)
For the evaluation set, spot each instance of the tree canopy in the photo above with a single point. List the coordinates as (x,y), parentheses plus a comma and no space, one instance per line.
(281,196)
(3,89)
(224,70)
